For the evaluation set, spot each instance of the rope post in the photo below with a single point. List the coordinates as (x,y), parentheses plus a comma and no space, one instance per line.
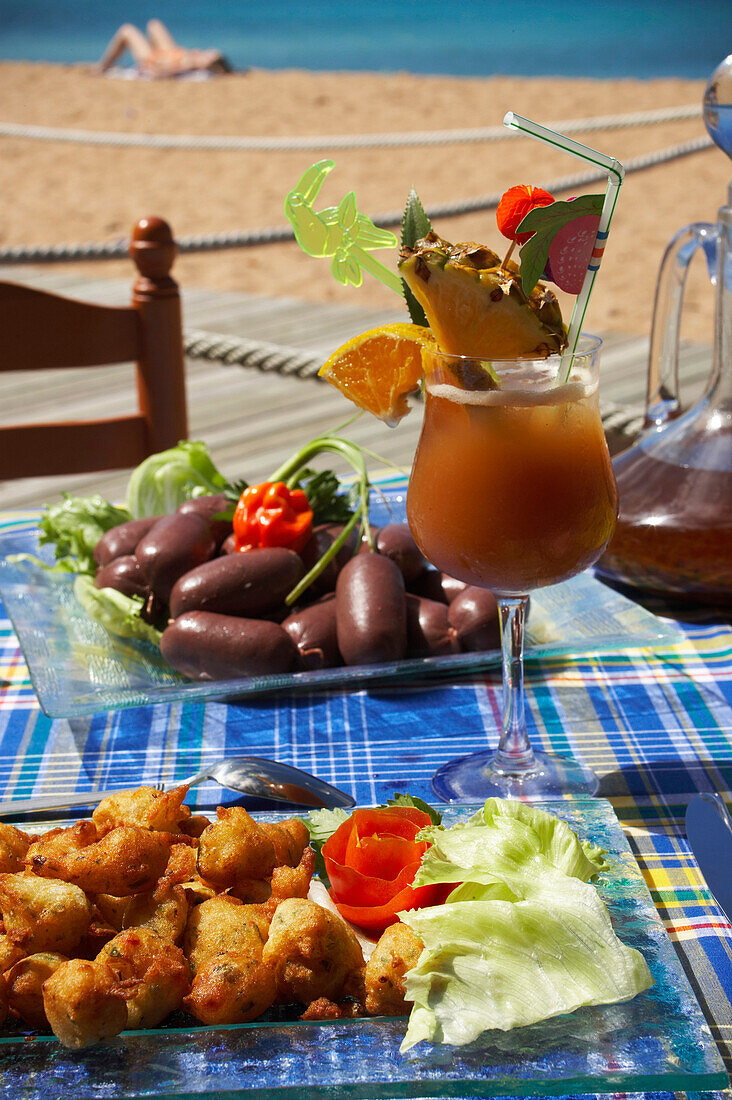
(161,365)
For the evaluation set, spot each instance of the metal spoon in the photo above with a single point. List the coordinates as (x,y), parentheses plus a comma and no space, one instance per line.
(250,775)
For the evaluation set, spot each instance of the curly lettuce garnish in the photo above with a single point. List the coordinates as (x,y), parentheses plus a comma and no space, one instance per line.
(75,526)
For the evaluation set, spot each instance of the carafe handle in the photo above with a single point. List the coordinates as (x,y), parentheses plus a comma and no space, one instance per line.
(662,395)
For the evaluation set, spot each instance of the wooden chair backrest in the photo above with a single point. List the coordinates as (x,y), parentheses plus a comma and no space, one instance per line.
(41,330)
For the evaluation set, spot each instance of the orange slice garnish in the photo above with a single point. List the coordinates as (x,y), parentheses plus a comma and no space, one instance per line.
(378,369)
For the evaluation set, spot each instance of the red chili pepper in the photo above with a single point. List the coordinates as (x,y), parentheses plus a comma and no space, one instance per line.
(270,514)
(515,205)
(371,860)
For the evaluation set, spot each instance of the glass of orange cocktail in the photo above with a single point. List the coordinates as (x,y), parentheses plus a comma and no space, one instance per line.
(512,489)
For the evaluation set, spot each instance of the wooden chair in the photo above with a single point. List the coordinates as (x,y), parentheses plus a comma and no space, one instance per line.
(39,330)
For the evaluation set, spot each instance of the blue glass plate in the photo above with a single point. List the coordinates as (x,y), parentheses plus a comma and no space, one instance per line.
(659,1041)
(77,667)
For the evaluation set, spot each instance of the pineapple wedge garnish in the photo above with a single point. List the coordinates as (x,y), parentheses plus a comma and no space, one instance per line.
(475,306)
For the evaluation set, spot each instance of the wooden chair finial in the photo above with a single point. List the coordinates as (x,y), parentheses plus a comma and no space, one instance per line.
(152,248)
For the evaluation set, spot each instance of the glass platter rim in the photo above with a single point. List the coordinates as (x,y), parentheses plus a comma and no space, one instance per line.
(98,697)
(596,813)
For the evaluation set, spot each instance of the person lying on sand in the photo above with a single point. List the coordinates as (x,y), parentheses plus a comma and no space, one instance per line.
(158,55)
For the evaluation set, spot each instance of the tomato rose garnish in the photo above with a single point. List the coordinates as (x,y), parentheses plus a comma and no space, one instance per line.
(371,860)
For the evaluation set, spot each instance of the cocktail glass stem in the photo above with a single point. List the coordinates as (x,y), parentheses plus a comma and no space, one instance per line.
(514,756)
(513,770)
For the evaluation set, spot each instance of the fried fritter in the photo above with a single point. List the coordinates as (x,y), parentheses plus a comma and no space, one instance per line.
(43,915)
(14,844)
(25,986)
(126,860)
(10,953)
(112,909)
(98,933)
(235,849)
(290,838)
(323,1009)
(195,825)
(293,881)
(146,807)
(91,916)
(252,891)
(232,988)
(165,911)
(224,925)
(182,870)
(181,865)
(252,860)
(82,1003)
(314,953)
(396,952)
(151,972)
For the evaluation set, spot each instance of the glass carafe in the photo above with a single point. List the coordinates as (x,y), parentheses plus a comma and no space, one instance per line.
(674,532)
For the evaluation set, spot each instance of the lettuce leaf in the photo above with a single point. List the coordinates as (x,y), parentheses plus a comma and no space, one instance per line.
(120,614)
(74,527)
(164,480)
(504,964)
(323,823)
(522,937)
(501,839)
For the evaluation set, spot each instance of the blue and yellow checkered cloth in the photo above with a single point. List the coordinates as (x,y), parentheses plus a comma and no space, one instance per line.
(656,726)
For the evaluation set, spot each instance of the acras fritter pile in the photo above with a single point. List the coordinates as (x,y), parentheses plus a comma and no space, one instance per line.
(114,923)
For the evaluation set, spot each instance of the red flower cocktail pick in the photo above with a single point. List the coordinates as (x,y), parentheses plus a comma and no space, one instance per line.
(515,204)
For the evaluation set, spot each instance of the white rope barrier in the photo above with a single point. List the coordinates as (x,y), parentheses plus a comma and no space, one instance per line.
(110,250)
(236,351)
(327,142)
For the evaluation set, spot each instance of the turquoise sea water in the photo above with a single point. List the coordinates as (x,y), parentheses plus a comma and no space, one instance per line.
(603,38)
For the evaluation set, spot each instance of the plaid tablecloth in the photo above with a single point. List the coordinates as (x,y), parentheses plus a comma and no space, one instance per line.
(656,726)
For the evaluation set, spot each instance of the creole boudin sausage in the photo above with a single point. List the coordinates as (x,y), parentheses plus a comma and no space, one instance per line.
(171,548)
(122,539)
(207,507)
(250,583)
(313,630)
(207,646)
(429,633)
(371,610)
(125,575)
(396,541)
(474,615)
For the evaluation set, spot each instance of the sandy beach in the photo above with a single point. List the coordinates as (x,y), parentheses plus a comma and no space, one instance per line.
(58,192)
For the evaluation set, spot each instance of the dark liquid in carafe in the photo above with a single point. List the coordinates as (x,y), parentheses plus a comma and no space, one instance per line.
(674,532)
